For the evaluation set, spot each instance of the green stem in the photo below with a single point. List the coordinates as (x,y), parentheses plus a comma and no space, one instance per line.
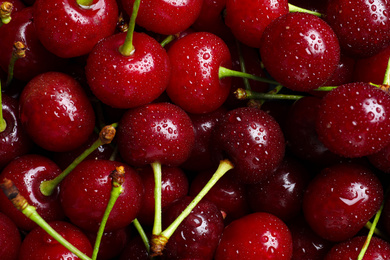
(325,88)
(377,231)
(142,233)
(157,226)
(84,3)
(127,48)
(3,124)
(293,8)
(242,65)
(116,191)
(11,66)
(370,233)
(247,94)
(167,40)
(386,80)
(225,72)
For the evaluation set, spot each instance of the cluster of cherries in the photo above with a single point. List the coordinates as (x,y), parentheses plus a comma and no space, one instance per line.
(197,129)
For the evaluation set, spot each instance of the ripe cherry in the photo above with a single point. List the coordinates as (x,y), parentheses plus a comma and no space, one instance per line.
(10,238)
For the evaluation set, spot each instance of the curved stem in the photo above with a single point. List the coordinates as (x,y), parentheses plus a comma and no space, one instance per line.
(142,233)
(247,94)
(127,48)
(157,226)
(293,8)
(225,72)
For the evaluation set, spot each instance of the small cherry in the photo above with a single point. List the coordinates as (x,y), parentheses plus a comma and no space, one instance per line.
(10,238)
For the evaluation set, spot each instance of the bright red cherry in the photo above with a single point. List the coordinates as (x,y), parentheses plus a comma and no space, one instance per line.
(70,29)
(56,112)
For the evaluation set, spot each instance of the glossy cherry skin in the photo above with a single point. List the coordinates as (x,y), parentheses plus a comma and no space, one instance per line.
(40,245)
(362,27)
(68,29)
(28,172)
(56,112)
(158,132)
(165,16)
(198,235)
(255,236)
(378,249)
(38,59)
(281,194)
(174,185)
(85,193)
(341,199)
(195,85)
(252,140)
(14,140)
(10,238)
(353,120)
(381,159)
(303,56)
(119,81)
(248,19)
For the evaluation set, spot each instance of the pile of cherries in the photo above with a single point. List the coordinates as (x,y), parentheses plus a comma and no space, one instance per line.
(295,101)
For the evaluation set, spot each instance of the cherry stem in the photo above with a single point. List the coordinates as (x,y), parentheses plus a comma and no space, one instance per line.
(225,72)
(12,193)
(19,51)
(386,80)
(242,65)
(84,3)
(168,39)
(377,231)
(370,233)
(159,241)
(118,178)
(142,233)
(3,123)
(157,225)
(127,48)
(248,94)
(5,12)
(293,8)
(105,137)
(325,88)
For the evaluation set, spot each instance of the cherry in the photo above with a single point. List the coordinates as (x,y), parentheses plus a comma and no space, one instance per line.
(135,250)
(362,27)
(119,80)
(85,193)
(255,236)
(37,60)
(195,85)
(303,56)
(344,72)
(252,140)
(350,249)
(281,194)
(40,245)
(17,5)
(165,16)
(341,199)
(27,172)
(353,120)
(72,28)
(381,159)
(198,235)
(10,238)
(248,19)
(56,112)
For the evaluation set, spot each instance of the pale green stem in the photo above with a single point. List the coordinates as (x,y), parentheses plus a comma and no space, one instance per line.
(225,72)
(247,94)
(3,124)
(167,40)
(142,233)
(157,225)
(293,8)
(386,80)
(127,48)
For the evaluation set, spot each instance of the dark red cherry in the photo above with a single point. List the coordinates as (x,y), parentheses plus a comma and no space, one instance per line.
(354,121)
(252,140)
(255,236)
(56,112)
(17,5)
(248,19)
(135,250)
(281,194)
(378,249)
(158,132)
(174,185)
(165,16)
(39,245)
(341,199)
(28,172)
(119,81)
(362,27)
(381,159)
(13,140)
(198,235)
(85,193)
(300,51)
(38,59)
(10,238)
(69,29)
(343,73)
(195,60)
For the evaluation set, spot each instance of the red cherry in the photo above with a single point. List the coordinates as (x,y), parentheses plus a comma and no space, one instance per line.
(341,199)
(69,29)
(195,60)
(85,193)
(28,172)
(165,16)
(381,159)
(255,236)
(56,112)
(353,120)
(119,81)
(303,56)
(10,239)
